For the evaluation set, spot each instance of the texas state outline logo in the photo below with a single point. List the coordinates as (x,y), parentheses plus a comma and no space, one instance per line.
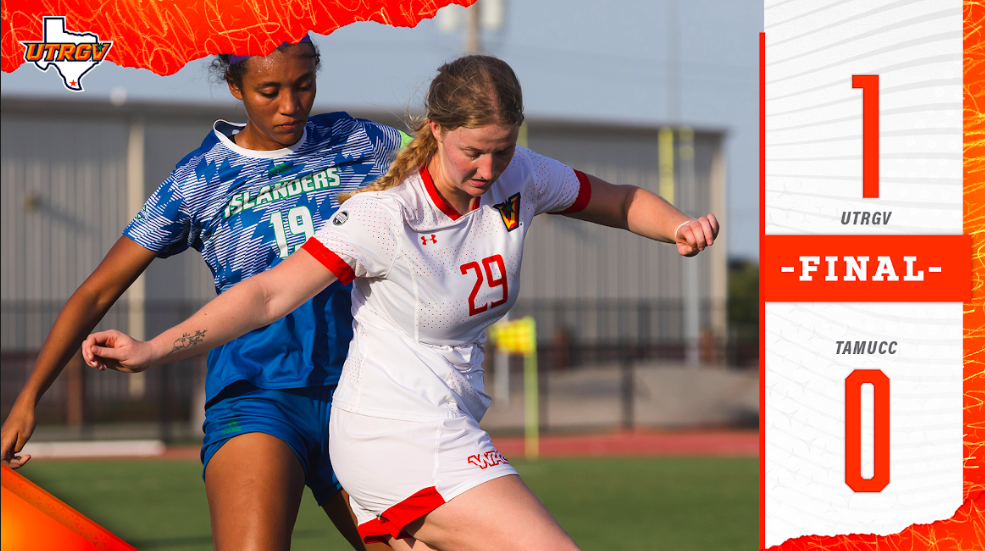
(72,54)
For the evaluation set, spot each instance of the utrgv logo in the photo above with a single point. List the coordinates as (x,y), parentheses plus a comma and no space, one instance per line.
(71,54)
(487,459)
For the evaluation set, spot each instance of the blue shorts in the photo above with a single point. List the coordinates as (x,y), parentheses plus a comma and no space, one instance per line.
(298,416)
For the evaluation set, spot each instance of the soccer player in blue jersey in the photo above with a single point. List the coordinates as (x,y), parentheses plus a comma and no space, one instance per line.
(246,199)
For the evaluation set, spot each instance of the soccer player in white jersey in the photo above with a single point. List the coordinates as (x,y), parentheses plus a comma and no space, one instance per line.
(434,249)
(247,197)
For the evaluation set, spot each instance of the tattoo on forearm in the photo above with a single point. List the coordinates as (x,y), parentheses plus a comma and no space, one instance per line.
(188,340)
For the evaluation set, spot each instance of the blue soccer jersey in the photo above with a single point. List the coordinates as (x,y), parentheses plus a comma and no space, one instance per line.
(245,211)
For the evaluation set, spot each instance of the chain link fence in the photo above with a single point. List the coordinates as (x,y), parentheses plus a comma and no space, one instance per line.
(589,340)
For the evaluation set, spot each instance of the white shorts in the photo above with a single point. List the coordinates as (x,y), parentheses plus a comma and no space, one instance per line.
(398,471)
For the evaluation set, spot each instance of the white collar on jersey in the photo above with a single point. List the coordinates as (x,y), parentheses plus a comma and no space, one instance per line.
(221,127)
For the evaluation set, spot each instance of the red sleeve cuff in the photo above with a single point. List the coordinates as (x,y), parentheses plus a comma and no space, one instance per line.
(331,260)
(584,195)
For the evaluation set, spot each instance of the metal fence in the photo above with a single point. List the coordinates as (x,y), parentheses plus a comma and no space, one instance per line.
(572,336)
(162,401)
(573,333)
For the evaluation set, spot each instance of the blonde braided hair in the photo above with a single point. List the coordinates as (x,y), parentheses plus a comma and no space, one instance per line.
(471,92)
(412,157)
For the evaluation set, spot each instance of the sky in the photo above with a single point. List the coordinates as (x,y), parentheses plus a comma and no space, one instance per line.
(576,60)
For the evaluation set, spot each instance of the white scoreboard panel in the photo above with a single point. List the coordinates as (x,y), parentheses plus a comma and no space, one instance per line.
(863,397)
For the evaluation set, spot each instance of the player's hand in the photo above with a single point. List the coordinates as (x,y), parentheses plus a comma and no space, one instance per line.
(692,237)
(117,351)
(17,429)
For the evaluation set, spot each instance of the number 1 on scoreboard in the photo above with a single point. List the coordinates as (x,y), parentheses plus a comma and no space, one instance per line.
(870,133)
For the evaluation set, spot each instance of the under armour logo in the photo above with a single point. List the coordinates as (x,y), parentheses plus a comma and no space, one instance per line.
(424,239)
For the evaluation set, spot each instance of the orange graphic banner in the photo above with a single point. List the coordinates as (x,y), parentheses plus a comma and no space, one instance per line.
(164,36)
(31,518)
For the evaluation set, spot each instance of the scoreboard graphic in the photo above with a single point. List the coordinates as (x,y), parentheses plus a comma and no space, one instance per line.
(872,256)
(870,267)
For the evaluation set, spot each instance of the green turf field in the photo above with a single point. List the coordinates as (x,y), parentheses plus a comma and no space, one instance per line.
(605,504)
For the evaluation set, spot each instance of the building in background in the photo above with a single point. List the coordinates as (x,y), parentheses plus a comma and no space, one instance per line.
(74,173)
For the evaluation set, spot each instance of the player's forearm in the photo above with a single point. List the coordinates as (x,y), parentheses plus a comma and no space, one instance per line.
(631,208)
(256,302)
(649,215)
(239,310)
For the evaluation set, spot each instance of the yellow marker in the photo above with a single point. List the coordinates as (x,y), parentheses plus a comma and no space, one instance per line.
(520,337)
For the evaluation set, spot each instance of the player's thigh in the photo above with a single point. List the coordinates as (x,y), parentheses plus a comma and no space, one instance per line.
(499,514)
(254,484)
(407,544)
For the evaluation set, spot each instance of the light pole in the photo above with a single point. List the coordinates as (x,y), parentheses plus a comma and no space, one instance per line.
(486,15)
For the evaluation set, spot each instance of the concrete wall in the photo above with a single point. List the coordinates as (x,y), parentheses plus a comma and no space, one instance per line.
(663,395)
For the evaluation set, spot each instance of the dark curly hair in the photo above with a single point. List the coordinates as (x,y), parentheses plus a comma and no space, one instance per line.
(220,70)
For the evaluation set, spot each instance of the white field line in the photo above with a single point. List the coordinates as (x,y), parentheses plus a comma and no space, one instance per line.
(106,448)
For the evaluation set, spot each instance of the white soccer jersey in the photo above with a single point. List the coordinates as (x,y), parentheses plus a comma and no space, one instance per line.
(430,280)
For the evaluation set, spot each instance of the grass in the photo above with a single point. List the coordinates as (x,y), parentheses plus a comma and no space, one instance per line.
(655,503)
(605,504)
